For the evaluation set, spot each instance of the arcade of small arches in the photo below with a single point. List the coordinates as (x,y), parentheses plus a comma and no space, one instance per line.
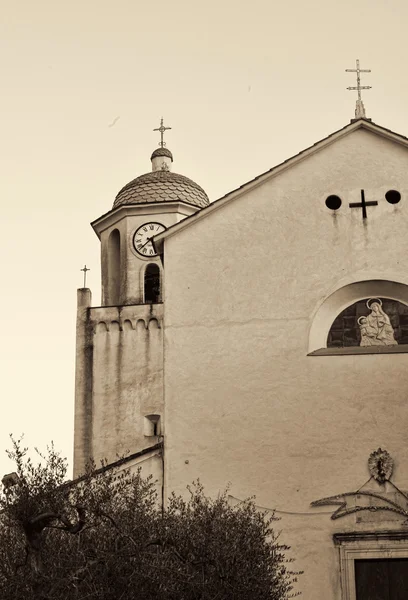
(362,317)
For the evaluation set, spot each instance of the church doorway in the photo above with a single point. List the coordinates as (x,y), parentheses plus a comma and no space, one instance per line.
(373,565)
(381,579)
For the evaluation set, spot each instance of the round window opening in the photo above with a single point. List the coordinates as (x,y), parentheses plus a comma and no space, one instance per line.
(393,196)
(333,202)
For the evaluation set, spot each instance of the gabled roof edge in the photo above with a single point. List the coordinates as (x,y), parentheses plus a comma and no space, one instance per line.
(119,462)
(331,138)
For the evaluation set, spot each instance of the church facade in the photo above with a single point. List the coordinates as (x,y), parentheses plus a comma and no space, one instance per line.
(262,340)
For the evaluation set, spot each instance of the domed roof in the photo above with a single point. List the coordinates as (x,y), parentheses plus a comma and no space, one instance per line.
(161,186)
(162,152)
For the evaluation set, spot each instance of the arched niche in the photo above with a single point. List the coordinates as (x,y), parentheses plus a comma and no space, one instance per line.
(336,305)
(114,268)
(152,284)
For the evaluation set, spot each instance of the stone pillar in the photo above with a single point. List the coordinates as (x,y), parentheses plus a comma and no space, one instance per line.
(83,383)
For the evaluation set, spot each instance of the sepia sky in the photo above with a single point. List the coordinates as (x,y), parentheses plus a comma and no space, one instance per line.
(243,86)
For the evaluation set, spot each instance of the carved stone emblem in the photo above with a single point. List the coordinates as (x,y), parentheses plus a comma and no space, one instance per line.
(380,465)
(164,166)
(376,328)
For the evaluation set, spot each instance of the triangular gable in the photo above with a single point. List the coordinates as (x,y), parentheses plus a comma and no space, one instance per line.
(288,163)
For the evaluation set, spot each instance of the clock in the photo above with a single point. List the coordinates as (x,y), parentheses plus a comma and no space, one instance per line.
(142,238)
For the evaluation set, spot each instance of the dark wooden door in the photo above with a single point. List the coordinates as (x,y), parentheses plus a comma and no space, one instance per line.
(382,579)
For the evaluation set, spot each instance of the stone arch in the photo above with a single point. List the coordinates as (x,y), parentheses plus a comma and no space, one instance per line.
(141,325)
(101,327)
(127,325)
(345,296)
(153,324)
(114,327)
(114,274)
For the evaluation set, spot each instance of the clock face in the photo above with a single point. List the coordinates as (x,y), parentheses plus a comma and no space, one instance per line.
(143,236)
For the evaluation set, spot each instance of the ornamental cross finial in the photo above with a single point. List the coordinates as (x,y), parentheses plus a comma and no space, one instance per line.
(360,110)
(85,269)
(162,129)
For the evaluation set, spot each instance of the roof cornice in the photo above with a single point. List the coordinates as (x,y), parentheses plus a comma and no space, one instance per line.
(127,210)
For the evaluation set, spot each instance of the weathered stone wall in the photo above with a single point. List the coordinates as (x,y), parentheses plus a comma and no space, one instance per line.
(123,366)
(119,354)
(244,402)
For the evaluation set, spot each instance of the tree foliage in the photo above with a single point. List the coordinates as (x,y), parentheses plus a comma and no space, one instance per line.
(105,537)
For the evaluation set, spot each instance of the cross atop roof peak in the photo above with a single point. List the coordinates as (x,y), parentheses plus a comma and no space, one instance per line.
(360,110)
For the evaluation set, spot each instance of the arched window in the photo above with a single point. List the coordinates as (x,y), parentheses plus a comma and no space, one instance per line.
(152,293)
(370,322)
(114,267)
(349,322)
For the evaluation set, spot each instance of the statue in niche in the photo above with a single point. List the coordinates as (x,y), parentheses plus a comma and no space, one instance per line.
(376,328)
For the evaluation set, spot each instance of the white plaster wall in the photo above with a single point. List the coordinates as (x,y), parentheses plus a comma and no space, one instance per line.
(244,402)
(127,378)
(150,464)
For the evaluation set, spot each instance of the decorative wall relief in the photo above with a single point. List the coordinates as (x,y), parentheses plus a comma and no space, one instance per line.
(376,328)
(380,466)
(370,322)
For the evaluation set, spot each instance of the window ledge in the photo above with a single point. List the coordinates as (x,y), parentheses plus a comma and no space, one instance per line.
(400,349)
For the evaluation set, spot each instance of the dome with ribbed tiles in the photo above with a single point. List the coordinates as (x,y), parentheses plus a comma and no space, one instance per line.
(162,185)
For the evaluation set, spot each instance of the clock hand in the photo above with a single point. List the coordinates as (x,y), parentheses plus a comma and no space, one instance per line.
(148,240)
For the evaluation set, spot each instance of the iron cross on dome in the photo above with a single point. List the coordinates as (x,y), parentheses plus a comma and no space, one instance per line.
(162,129)
(363,204)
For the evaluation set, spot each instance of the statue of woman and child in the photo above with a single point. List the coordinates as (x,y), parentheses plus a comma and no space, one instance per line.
(376,328)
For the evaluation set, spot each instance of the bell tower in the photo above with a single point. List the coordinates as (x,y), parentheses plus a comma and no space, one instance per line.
(119,346)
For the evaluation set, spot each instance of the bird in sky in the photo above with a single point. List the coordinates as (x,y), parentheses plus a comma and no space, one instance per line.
(114,121)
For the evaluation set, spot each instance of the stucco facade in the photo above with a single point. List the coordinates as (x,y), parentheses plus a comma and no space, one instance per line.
(235,360)
(119,379)
(252,287)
